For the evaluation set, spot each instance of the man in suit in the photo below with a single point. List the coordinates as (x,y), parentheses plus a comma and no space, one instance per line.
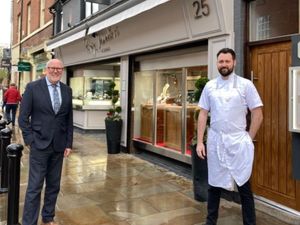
(46,121)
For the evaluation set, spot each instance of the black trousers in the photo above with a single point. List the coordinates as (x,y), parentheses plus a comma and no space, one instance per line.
(247,201)
(44,166)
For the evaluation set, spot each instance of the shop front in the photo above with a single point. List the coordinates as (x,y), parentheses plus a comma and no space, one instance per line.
(156,52)
(165,109)
(156,99)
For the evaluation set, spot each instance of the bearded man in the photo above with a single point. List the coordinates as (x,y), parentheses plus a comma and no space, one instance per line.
(230,149)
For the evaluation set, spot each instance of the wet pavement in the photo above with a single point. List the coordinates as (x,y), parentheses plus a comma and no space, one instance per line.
(122,189)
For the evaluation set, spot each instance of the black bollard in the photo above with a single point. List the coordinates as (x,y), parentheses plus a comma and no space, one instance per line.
(5,141)
(200,176)
(14,154)
(2,126)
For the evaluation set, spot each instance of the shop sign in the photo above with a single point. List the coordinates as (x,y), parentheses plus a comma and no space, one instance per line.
(40,66)
(24,66)
(98,42)
(5,63)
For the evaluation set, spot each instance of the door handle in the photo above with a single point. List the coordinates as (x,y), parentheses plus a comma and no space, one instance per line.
(253,78)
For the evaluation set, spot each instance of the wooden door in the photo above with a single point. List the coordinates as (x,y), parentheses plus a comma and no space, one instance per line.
(272,172)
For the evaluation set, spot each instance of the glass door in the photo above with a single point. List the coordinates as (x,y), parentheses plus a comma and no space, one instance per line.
(169,109)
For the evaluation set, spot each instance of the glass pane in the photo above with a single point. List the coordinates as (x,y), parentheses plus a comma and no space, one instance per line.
(143,105)
(88,10)
(193,74)
(95,8)
(90,85)
(269,19)
(77,83)
(169,109)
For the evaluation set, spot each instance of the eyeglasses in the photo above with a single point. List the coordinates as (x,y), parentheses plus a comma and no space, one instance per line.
(58,69)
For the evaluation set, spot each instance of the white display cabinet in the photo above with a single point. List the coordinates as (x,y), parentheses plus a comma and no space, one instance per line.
(90,101)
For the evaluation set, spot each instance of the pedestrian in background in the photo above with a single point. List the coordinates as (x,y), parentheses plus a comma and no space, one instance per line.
(12,98)
(230,150)
(46,121)
(4,89)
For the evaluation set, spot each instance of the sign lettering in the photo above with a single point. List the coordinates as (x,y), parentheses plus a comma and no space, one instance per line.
(97,42)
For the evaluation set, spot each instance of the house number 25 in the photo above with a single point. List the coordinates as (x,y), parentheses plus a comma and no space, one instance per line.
(201,9)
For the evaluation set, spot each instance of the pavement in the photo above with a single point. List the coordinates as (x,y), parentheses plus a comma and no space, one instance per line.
(122,189)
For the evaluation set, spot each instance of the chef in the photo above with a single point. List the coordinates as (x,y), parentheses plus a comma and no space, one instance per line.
(230,150)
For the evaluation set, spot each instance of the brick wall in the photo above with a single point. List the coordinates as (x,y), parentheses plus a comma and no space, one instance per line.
(38,38)
(35,19)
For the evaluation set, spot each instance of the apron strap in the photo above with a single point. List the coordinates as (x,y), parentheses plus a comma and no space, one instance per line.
(234,82)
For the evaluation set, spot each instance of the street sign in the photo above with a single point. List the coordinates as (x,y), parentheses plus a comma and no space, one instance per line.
(24,66)
(5,63)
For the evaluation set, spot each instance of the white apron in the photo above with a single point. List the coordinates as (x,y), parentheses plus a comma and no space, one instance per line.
(230,150)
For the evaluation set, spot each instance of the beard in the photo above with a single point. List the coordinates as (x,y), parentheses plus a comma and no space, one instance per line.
(225,71)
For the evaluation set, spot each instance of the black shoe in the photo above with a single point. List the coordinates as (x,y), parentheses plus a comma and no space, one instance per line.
(8,122)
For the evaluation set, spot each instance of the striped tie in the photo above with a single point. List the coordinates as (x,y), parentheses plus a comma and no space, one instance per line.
(56,102)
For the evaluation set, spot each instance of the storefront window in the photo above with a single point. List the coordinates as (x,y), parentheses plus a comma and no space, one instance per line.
(269,19)
(192,109)
(163,116)
(169,109)
(90,86)
(77,85)
(143,106)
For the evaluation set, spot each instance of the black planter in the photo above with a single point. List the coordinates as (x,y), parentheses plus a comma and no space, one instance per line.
(113,135)
(200,176)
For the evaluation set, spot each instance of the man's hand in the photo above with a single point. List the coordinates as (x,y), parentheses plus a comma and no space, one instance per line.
(256,120)
(201,150)
(67,152)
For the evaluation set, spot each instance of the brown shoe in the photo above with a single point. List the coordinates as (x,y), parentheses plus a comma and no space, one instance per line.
(50,223)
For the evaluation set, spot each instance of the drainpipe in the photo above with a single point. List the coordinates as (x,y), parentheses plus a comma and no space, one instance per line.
(10,39)
(20,49)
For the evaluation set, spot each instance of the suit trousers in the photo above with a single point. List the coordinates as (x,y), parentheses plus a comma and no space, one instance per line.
(247,201)
(45,166)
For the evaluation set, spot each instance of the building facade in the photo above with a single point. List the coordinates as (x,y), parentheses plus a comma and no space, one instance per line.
(32,27)
(156,50)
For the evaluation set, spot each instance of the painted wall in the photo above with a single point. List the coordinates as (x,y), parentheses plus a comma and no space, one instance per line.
(172,23)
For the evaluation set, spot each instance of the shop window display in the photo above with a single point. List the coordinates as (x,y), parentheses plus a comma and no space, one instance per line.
(193,74)
(164,116)
(90,85)
(91,91)
(143,102)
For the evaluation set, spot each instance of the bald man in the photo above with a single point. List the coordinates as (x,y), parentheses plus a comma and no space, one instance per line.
(46,121)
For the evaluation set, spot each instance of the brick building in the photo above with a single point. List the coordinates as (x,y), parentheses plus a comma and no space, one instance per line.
(31,28)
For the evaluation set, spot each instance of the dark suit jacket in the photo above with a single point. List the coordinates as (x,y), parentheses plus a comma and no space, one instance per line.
(38,122)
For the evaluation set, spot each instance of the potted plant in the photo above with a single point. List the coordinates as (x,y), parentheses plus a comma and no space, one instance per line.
(113,121)
(199,166)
